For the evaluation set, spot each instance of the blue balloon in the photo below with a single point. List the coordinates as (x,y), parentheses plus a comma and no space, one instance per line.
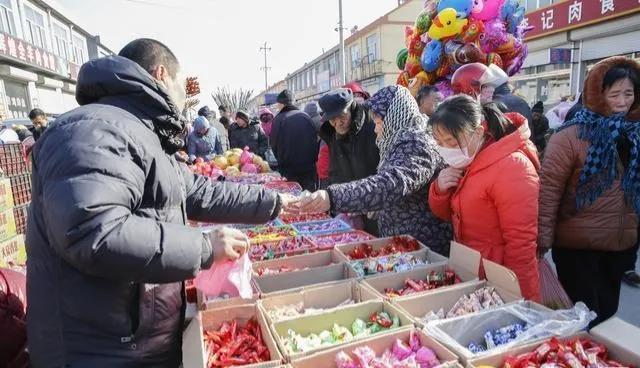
(431,56)
(463,7)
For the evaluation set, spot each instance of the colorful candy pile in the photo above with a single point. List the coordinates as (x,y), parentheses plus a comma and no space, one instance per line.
(261,271)
(285,187)
(232,345)
(498,337)
(397,245)
(393,263)
(273,249)
(401,355)
(269,233)
(379,321)
(322,227)
(292,219)
(247,178)
(555,353)
(296,310)
(477,301)
(330,241)
(433,281)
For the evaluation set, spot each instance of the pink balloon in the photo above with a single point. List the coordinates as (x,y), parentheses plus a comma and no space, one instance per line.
(489,9)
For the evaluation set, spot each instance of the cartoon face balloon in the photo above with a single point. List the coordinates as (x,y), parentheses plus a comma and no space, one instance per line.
(477,6)
(490,10)
(462,7)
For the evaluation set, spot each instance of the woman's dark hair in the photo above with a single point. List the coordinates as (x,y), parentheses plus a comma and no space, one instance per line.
(225,122)
(425,92)
(619,72)
(461,113)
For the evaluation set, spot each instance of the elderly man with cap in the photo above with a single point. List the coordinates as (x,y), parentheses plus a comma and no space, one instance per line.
(203,141)
(348,130)
(213,120)
(246,132)
(294,142)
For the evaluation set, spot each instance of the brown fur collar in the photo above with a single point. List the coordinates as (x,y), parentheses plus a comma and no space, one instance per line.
(592,96)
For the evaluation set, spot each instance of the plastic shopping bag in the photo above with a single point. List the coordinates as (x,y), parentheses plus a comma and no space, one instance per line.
(551,291)
(230,278)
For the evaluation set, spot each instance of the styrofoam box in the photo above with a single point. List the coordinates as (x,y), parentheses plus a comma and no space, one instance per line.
(378,343)
(344,316)
(193,350)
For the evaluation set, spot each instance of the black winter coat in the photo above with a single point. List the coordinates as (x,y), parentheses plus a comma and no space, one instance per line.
(106,238)
(511,103)
(251,136)
(294,141)
(354,156)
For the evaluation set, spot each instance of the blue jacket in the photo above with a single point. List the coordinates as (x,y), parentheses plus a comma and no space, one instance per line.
(399,191)
(205,146)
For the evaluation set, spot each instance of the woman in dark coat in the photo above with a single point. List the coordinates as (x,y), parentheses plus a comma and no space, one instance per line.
(398,191)
(247,133)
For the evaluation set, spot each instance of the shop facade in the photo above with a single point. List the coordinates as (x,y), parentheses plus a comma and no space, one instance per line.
(568,38)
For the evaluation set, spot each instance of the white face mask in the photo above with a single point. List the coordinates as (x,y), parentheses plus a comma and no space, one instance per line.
(458,158)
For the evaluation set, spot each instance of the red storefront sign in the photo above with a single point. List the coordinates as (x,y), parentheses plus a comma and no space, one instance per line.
(571,14)
(18,49)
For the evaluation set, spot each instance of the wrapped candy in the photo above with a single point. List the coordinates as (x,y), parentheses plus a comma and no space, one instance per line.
(433,281)
(397,244)
(270,233)
(296,310)
(322,227)
(498,337)
(274,249)
(285,187)
(477,301)
(292,219)
(392,263)
(330,241)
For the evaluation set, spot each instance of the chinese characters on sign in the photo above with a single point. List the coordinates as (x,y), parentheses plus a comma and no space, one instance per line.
(25,52)
(575,13)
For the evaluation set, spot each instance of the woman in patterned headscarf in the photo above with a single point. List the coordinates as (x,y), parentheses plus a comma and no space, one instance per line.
(408,163)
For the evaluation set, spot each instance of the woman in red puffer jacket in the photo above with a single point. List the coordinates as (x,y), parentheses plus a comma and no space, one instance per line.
(490,189)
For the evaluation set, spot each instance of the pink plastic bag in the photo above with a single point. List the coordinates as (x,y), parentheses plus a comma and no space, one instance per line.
(551,291)
(231,278)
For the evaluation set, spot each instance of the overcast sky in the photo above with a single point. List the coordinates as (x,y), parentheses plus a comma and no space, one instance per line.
(219,40)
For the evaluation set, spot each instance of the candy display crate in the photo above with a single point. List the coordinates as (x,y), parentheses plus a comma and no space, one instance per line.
(378,343)
(323,242)
(292,219)
(258,234)
(337,226)
(325,297)
(270,250)
(297,280)
(418,305)
(298,262)
(457,333)
(20,215)
(377,244)
(21,188)
(621,339)
(6,194)
(344,316)
(464,261)
(206,303)
(284,187)
(193,349)
(13,251)
(12,159)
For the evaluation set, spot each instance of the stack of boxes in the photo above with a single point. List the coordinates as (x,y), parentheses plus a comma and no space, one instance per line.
(15,195)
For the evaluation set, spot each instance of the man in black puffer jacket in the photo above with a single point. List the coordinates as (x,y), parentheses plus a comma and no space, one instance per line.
(295,143)
(248,133)
(107,242)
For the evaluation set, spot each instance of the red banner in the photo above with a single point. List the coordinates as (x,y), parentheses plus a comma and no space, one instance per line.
(18,49)
(571,14)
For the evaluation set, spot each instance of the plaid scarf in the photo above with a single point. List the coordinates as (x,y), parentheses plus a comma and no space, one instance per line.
(601,164)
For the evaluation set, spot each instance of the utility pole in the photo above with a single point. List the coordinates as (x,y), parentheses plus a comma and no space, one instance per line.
(343,70)
(266,67)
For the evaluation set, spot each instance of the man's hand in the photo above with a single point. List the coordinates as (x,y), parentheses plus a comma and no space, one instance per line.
(315,203)
(448,178)
(227,243)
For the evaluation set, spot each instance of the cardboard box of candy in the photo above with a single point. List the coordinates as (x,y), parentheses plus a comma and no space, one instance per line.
(284,187)
(330,241)
(295,263)
(262,234)
(461,267)
(298,280)
(375,257)
(310,300)
(613,343)
(292,219)
(322,227)
(378,345)
(305,335)
(511,325)
(268,250)
(501,287)
(196,353)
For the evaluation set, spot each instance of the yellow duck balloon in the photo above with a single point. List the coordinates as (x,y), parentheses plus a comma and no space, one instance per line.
(446,24)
